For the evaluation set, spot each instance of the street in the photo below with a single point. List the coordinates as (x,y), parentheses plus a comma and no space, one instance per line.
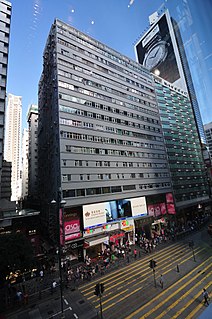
(130,291)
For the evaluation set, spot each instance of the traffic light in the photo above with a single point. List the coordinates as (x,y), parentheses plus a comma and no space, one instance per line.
(97,290)
(152,263)
(102,288)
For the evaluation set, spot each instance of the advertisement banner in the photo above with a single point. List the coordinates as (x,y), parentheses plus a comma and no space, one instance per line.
(95,214)
(163,208)
(151,210)
(72,226)
(157,210)
(72,236)
(156,52)
(171,209)
(169,198)
(138,206)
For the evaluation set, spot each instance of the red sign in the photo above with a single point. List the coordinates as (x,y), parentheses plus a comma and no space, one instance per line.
(72,226)
(72,236)
(151,210)
(114,237)
(62,241)
(169,198)
(171,209)
(163,208)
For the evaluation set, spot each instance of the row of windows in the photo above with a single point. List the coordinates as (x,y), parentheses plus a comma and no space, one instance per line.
(113,109)
(108,52)
(102,78)
(108,140)
(105,97)
(106,118)
(111,189)
(103,87)
(108,109)
(80,163)
(101,151)
(108,176)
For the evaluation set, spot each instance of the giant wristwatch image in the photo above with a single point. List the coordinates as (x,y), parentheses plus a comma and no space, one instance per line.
(156,54)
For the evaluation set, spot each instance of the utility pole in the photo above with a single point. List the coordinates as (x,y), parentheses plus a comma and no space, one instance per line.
(99,289)
(191,245)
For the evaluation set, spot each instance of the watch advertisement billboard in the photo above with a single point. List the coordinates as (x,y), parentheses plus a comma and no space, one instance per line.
(155,51)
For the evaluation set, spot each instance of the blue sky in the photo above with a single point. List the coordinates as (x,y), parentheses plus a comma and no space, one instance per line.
(116,23)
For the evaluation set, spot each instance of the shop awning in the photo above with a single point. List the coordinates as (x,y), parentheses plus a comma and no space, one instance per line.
(95,241)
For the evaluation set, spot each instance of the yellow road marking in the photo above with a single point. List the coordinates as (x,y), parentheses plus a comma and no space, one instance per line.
(181,298)
(168,289)
(145,271)
(190,302)
(134,271)
(135,265)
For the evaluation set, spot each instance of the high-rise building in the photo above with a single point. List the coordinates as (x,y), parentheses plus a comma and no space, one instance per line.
(25,159)
(100,142)
(161,50)
(188,173)
(12,147)
(5,16)
(208,134)
(193,20)
(32,119)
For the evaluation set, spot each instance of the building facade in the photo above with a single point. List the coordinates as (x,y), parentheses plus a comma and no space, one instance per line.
(32,119)
(5,17)
(208,134)
(187,167)
(25,165)
(100,141)
(12,147)
(161,50)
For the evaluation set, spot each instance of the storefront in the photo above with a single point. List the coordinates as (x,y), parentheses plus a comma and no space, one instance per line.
(143,226)
(74,250)
(95,245)
(128,227)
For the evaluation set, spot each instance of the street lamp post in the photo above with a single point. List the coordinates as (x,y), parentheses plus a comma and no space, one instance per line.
(60,241)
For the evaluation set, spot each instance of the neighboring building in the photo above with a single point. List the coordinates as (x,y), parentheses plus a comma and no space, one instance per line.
(25,159)
(188,173)
(32,119)
(5,16)
(6,181)
(208,134)
(161,50)
(12,147)
(193,20)
(100,142)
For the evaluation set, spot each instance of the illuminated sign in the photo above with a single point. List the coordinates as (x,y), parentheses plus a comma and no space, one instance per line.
(94,214)
(138,206)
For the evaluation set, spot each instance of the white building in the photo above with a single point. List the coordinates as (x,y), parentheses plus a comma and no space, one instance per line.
(25,157)
(12,147)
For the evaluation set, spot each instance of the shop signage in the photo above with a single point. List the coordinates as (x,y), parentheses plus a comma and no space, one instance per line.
(72,236)
(116,236)
(72,226)
(77,244)
(127,229)
(138,206)
(94,214)
(128,224)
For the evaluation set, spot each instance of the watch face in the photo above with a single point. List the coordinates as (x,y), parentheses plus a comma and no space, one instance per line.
(156,54)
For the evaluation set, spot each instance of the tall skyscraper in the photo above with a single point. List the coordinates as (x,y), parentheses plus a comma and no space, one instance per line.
(193,20)
(188,173)
(25,165)
(12,147)
(32,119)
(100,142)
(5,16)
(162,51)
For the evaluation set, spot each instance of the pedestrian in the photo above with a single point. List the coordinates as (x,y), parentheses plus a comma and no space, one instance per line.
(161,281)
(54,284)
(41,274)
(206,297)
(135,253)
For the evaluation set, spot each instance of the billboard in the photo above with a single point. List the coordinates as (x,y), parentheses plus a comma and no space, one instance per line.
(170,204)
(138,206)
(157,209)
(95,214)
(156,52)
